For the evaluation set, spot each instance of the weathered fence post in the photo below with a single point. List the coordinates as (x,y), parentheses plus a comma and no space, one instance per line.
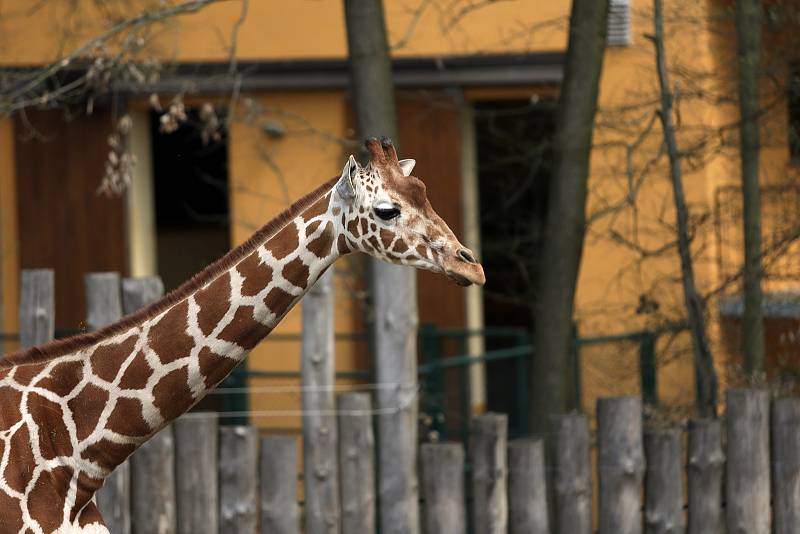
(396,401)
(489,473)
(442,466)
(747,488)
(196,475)
(620,459)
(319,420)
(152,467)
(527,487)
(706,466)
(36,307)
(786,464)
(663,482)
(357,463)
(153,485)
(104,307)
(572,474)
(238,485)
(278,475)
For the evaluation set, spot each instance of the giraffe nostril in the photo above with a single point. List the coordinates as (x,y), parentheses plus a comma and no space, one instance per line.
(466,255)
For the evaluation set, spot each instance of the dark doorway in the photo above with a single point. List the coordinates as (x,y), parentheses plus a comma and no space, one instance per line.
(191,198)
(515,162)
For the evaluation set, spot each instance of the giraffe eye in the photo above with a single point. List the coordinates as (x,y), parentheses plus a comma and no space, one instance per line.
(387,211)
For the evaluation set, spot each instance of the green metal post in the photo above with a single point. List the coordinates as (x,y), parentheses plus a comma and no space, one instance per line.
(235,401)
(647,368)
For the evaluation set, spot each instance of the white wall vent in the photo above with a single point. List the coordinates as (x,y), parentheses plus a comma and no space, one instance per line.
(619,23)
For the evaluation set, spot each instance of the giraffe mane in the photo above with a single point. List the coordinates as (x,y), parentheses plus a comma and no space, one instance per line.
(60,347)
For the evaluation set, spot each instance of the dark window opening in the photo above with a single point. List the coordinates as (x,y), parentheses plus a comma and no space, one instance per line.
(515,163)
(191,199)
(793,97)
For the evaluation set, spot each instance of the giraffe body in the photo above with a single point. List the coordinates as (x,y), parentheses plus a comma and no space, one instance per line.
(72,410)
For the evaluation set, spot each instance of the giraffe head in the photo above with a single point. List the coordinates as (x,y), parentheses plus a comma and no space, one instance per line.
(386,214)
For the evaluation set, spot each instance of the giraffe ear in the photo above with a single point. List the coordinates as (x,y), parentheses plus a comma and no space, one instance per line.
(407,165)
(344,187)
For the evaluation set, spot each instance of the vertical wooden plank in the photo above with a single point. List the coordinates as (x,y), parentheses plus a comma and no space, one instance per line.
(103,300)
(706,466)
(104,307)
(663,482)
(153,485)
(442,467)
(620,459)
(238,485)
(786,465)
(196,475)
(357,463)
(36,307)
(488,434)
(278,476)
(319,422)
(747,488)
(572,474)
(527,487)
(140,292)
(395,339)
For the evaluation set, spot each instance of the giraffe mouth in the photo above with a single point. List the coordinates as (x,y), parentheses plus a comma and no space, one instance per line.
(459,279)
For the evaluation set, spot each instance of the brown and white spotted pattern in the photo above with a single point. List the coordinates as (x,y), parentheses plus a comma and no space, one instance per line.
(71,411)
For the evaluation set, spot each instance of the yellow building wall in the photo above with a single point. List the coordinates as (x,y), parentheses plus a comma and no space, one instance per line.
(9,263)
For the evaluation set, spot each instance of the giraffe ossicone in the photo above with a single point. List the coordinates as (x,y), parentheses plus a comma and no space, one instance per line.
(74,409)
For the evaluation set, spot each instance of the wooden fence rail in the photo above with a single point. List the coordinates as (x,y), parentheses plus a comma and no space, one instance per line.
(199,477)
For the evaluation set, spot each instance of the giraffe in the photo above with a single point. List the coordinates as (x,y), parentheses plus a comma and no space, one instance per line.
(72,410)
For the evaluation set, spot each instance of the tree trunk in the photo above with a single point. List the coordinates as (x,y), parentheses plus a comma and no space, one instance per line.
(748,34)
(705,374)
(552,381)
(393,287)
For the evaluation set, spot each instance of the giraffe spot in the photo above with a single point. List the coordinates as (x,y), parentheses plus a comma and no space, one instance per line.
(53,434)
(243,329)
(400,246)
(213,301)
(63,378)
(363,226)
(422,252)
(352,227)
(296,273)
(18,473)
(341,245)
(311,228)
(284,242)
(107,359)
(335,211)
(256,274)
(108,454)
(86,408)
(11,518)
(214,367)
(126,418)
(373,227)
(10,413)
(375,243)
(90,515)
(344,220)
(137,373)
(278,301)
(46,497)
(168,337)
(386,238)
(321,246)
(317,208)
(172,394)
(24,374)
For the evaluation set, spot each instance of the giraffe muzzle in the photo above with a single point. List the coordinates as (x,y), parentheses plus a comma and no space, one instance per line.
(465,270)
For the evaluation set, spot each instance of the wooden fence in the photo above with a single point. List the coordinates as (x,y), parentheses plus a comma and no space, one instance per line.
(740,473)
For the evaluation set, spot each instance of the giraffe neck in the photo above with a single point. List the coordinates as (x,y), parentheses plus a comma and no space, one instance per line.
(69,421)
